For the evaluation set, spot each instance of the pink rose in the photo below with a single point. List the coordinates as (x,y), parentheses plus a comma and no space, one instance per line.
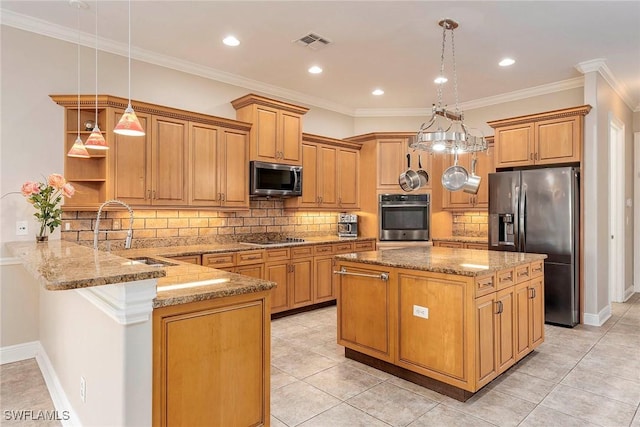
(29,188)
(56,180)
(68,190)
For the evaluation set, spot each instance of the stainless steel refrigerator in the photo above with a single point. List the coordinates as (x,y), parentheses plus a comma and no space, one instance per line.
(537,210)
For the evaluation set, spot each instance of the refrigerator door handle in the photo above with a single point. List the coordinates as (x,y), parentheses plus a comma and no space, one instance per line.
(522,230)
(516,218)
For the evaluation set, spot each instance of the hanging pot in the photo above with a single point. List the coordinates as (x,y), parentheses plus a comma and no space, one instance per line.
(454,177)
(424,176)
(409,179)
(473,183)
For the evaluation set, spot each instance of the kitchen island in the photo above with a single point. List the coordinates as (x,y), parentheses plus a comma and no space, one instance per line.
(449,319)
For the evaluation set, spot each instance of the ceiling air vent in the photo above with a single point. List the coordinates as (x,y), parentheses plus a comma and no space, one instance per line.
(313,41)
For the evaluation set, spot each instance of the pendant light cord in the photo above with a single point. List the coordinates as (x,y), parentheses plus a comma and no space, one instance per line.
(96,123)
(129,52)
(78,19)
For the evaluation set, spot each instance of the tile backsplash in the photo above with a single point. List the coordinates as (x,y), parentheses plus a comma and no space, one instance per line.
(180,226)
(470,224)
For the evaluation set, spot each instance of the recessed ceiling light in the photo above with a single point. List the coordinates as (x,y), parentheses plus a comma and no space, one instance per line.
(79,4)
(377,92)
(315,70)
(231,41)
(506,62)
(440,79)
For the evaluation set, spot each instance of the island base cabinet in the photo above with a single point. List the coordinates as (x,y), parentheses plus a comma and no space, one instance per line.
(365,306)
(529,317)
(211,362)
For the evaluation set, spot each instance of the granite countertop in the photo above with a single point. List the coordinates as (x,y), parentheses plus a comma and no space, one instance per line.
(464,262)
(463,239)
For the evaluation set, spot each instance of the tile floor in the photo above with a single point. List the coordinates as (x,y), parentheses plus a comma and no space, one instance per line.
(585,376)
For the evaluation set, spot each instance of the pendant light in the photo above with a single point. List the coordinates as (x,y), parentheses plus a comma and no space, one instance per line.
(129,123)
(78,149)
(96,140)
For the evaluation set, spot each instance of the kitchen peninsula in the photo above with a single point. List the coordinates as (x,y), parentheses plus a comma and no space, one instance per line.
(448,319)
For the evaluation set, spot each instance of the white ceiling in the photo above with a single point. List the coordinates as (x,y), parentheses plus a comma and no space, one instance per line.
(394,45)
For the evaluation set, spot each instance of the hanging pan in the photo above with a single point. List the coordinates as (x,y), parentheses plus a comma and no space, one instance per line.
(454,177)
(424,176)
(473,183)
(409,179)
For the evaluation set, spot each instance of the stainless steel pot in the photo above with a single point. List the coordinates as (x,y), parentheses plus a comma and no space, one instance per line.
(454,177)
(473,182)
(424,176)
(409,179)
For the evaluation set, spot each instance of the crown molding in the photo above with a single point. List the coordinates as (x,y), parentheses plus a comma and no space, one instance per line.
(599,65)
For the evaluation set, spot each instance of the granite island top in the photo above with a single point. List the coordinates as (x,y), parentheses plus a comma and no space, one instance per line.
(464,262)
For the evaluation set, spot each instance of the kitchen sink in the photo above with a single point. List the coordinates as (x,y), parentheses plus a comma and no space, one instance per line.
(152,262)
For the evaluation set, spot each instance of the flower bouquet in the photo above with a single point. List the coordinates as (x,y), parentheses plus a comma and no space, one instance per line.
(45,197)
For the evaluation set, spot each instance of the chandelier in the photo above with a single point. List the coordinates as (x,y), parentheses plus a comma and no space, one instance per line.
(445,130)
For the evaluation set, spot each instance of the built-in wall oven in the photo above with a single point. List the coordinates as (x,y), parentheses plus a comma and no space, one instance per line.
(404,217)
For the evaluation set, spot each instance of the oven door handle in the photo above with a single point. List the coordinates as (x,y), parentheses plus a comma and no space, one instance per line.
(406,205)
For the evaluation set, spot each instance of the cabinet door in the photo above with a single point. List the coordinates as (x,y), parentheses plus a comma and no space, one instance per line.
(558,140)
(505,332)
(484,166)
(514,145)
(364,313)
(290,138)
(279,273)
(486,326)
(327,173)
(536,319)
(522,312)
(347,178)
(252,270)
(169,155)
(310,196)
(265,128)
(132,164)
(323,279)
(233,169)
(301,282)
(203,175)
(392,162)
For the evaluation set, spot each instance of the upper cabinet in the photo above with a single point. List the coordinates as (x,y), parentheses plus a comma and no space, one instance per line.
(276,135)
(330,174)
(185,158)
(553,137)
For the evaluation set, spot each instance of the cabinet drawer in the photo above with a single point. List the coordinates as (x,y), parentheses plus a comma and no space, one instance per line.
(323,250)
(342,248)
(537,268)
(445,244)
(304,251)
(219,260)
(280,254)
(505,279)
(250,257)
(191,259)
(485,285)
(523,273)
(364,246)
(476,246)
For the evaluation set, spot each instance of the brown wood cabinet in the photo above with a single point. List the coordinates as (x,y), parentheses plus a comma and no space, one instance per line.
(474,328)
(330,174)
(460,245)
(211,362)
(276,134)
(191,259)
(553,137)
(219,159)
(158,168)
(459,200)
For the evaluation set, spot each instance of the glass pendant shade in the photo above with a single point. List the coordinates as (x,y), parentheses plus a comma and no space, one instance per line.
(96,140)
(78,150)
(129,124)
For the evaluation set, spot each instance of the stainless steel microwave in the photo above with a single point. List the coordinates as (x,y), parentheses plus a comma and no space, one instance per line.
(274,179)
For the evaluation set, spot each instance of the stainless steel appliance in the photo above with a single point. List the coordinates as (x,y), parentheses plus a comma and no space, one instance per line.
(537,210)
(404,216)
(347,225)
(273,179)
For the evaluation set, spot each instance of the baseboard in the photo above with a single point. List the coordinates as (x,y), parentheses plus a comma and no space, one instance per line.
(18,352)
(628,293)
(597,319)
(58,396)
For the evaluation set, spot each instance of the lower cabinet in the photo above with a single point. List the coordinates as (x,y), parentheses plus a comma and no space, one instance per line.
(529,312)
(460,245)
(211,362)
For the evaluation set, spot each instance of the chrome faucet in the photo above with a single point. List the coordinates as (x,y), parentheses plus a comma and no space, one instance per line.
(96,230)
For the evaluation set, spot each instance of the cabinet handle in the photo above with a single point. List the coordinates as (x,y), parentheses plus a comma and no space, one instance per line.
(340,201)
(148,194)
(223,197)
(532,294)
(343,271)
(254,257)
(530,156)
(536,156)
(154,195)
(499,307)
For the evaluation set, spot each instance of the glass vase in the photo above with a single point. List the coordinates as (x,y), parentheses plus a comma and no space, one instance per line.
(42,235)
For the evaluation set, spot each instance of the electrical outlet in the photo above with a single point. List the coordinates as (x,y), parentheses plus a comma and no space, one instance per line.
(67,226)
(21,228)
(83,389)
(421,311)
